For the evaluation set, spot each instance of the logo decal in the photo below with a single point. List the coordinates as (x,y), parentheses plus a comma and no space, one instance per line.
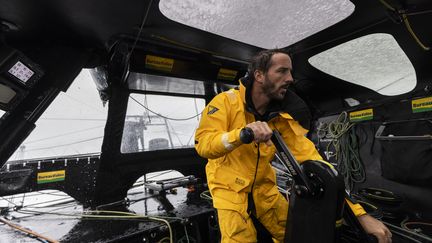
(51,176)
(226,74)
(159,63)
(422,105)
(362,115)
(240,181)
(212,110)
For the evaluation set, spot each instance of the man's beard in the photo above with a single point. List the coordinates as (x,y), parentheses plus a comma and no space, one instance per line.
(270,89)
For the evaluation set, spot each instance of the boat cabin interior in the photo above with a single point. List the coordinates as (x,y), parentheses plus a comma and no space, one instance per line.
(99,102)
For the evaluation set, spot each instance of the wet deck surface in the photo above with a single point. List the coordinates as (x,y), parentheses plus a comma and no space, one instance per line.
(57,216)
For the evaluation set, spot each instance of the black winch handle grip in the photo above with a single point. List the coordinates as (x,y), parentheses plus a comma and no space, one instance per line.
(247,135)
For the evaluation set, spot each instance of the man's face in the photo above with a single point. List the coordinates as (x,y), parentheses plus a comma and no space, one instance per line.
(278,77)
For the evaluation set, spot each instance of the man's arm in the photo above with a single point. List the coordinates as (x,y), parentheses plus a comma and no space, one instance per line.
(212,140)
(375,227)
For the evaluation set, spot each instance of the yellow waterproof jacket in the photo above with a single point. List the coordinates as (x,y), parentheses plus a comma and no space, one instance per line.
(234,168)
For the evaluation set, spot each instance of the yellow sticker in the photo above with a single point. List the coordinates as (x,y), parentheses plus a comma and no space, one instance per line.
(421,105)
(226,74)
(159,63)
(52,176)
(362,115)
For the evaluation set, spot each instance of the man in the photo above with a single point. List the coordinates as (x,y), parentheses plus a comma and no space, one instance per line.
(240,178)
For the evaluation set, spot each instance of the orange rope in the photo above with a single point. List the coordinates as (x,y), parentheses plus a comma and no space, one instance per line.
(27,231)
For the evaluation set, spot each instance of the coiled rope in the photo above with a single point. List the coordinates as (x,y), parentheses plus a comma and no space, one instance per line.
(344,141)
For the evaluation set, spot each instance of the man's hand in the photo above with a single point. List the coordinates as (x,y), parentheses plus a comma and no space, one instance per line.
(376,228)
(262,132)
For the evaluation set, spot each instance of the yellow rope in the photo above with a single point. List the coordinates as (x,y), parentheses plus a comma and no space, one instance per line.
(407,25)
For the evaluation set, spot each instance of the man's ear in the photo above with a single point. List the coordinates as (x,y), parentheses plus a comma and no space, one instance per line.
(259,76)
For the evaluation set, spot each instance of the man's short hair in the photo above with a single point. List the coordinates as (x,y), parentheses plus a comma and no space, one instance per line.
(262,60)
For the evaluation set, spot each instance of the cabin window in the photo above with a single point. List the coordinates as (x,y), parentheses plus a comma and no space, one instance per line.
(261,23)
(156,122)
(374,61)
(2,113)
(72,125)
